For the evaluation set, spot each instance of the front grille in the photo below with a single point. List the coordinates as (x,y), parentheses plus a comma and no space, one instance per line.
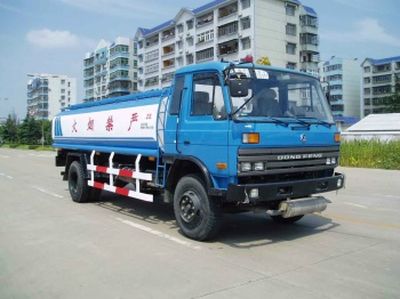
(289,160)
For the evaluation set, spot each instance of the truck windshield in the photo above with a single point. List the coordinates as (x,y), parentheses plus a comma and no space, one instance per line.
(276,95)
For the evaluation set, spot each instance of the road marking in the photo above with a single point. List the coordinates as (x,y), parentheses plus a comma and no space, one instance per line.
(47,192)
(6,176)
(159,234)
(355,205)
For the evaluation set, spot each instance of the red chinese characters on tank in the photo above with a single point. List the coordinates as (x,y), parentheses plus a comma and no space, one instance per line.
(134,118)
(110,124)
(90,125)
(74,129)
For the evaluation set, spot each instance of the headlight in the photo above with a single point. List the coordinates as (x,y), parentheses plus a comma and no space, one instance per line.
(331,161)
(245,166)
(259,166)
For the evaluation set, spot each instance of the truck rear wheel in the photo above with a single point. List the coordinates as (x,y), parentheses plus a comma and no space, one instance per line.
(197,215)
(77,184)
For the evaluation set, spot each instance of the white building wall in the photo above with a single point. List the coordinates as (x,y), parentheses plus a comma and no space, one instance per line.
(61,93)
(351,87)
(270,32)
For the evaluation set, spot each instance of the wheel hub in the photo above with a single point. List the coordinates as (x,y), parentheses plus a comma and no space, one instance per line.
(189,206)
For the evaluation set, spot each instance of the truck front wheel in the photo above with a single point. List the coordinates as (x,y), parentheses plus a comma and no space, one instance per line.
(198,216)
(77,184)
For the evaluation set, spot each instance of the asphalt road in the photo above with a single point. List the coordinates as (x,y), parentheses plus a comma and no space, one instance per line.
(51,247)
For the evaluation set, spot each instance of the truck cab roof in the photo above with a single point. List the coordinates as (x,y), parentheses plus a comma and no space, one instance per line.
(221,66)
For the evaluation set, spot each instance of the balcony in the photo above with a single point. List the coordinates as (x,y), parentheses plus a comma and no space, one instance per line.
(168,50)
(205,20)
(384,68)
(116,54)
(228,30)
(116,67)
(168,64)
(168,34)
(227,11)
(228,48)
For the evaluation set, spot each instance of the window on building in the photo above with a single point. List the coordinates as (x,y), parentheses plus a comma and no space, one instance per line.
(290,9)
(62,90)
(382,79)
(382,90)
(227,48)
(205,19)
(245,4)
(291,29)
(206,36)
(63,81)
(228,10)
(69,84)
(383,68)
(291,65)
(245,22)
(291,48)
(177,95)
(228,29)
(189,59)
(62,98)
(189,24)
(151,68)
(367,101)
(246,43)
(152,55)
(207,97)
(179,27)
(367,80)
(206,54)
(367,90)
(190,41)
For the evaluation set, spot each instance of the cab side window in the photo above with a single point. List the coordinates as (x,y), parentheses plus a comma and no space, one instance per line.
(208,98)
(177,95)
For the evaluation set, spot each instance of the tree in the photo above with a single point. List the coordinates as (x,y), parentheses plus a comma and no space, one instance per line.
(394,100)
(264,60)
(30,132)
(10,129)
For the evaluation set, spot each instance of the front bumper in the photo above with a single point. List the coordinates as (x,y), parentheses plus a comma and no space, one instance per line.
(282,190)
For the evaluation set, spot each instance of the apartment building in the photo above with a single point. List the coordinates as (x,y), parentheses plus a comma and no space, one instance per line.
(378,83)
(47,94)
(110,70)
(284,31)
(341,80)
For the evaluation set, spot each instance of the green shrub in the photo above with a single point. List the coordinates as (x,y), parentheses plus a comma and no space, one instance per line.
(371,154)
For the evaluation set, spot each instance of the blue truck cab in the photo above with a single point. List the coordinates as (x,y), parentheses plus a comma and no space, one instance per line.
(229,137)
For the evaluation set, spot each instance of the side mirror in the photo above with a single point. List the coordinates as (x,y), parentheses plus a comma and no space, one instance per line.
(239,87)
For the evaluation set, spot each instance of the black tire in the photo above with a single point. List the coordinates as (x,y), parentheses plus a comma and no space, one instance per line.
(198,216)
(77,183)
(279,219)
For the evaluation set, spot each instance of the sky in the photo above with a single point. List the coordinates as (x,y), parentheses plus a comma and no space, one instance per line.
(52,36)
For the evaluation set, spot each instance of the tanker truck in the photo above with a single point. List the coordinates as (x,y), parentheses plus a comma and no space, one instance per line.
(225,137)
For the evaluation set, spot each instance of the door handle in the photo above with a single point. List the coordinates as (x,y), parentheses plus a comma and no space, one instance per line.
(186,142)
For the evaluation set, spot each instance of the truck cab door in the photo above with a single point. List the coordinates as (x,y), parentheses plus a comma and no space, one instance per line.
(202,131)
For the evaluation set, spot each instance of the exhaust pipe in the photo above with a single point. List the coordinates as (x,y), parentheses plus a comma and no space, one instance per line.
(303,206)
